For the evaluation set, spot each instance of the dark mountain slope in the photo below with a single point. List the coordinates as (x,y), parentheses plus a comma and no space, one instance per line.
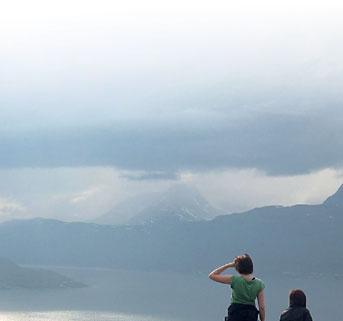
(296,239)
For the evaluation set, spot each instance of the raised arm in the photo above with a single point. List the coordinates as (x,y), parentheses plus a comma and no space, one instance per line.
(261,305)
(215,275)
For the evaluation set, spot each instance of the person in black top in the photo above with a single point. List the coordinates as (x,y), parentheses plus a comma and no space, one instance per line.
(297,310)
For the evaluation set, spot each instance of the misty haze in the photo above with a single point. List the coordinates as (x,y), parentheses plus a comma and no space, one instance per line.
(145,144)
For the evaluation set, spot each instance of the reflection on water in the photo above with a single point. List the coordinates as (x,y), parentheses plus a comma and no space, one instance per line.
(73,316)
(129,295)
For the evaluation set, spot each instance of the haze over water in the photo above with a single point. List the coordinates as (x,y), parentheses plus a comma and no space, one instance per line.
(115,295)
(74,316)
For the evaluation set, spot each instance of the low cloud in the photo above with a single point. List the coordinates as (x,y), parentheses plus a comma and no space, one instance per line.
(10,209)
(278,144)
(150,176)
(241,190)
(85,195)
(82,194)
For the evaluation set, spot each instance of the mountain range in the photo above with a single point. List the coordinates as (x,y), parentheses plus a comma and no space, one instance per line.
(296,239)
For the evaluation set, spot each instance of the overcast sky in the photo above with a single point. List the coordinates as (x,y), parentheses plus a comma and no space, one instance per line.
(102,100)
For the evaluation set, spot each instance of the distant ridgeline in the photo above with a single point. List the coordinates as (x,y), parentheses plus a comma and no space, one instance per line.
(296,239)
(15,276)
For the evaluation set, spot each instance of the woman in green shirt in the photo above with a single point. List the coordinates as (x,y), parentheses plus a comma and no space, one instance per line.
(245,289)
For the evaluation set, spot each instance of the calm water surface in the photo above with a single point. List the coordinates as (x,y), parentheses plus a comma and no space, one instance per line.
(116,295)
(74,316)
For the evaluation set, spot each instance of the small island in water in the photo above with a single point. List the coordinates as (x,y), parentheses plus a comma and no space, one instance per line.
(13,276)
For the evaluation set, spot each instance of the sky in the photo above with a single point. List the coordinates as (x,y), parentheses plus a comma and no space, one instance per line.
(103,100)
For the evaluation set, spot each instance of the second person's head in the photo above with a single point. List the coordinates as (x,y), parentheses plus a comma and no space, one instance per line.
(297,298)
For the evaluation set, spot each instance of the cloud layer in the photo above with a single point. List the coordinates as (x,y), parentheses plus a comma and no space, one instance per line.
(173,87)
(278,144)
(100,101)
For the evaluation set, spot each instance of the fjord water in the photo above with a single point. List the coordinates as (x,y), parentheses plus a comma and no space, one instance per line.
(117,295)
(72,316)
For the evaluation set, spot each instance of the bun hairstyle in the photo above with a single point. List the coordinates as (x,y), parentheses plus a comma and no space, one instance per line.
(244,264)
(297,298)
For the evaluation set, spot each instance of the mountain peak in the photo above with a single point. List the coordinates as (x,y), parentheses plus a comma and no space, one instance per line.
(335,200)
(180,202)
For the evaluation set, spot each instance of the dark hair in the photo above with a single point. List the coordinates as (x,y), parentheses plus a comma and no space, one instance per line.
(297,298)
(243,264)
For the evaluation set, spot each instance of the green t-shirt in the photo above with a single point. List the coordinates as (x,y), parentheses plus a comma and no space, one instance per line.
(245,292)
